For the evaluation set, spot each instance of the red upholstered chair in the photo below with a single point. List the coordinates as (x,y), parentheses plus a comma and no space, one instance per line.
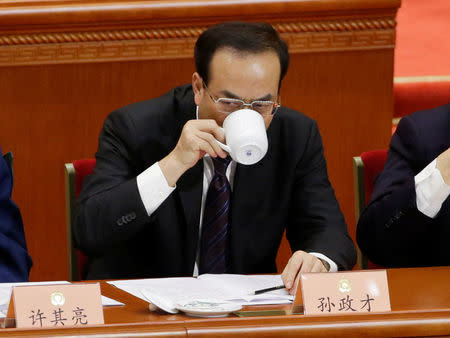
(365,168)
(75,173)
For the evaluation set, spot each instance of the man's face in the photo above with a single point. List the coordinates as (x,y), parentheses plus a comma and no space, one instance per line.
(248,77)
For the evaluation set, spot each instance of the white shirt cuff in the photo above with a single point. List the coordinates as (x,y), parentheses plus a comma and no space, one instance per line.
(333,266)
(153,188)
(431,190)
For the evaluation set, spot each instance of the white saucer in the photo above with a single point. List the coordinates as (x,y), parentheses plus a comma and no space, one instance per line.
(208,308)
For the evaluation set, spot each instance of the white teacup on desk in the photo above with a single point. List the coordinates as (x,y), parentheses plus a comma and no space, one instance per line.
(246,137)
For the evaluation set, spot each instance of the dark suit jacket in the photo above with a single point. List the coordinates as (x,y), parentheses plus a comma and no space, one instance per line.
(15,263)
(288,189)
(391,230)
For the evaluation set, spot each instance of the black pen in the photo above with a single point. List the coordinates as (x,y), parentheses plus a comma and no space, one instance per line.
(257,292)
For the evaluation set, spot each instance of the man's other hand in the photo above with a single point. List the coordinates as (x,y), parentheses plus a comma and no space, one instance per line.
(300,261)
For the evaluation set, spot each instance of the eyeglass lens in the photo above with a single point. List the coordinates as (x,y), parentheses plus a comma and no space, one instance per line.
(231,105)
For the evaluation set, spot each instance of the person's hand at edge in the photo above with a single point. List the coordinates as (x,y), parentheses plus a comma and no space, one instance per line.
(443,165)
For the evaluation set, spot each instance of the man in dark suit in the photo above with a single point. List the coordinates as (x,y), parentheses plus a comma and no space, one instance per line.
(407,222)
(140,212)
(15,263)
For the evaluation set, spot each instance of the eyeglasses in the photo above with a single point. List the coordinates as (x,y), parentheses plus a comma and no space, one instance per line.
(228,105)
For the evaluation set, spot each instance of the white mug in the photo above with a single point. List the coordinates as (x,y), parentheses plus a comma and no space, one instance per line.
(245,135)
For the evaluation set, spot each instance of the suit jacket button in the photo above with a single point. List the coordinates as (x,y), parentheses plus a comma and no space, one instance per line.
(389,223)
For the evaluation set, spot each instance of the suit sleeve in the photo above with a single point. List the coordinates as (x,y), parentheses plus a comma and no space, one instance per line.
(109,209)
(316,221)
(391,228)
(15,263)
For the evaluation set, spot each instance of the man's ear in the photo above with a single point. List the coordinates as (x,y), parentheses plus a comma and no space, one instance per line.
(197,86)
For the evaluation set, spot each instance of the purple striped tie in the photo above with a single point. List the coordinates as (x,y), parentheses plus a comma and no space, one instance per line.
(214,243)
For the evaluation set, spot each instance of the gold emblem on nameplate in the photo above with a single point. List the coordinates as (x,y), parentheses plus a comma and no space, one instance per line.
(57,298)
(344,285)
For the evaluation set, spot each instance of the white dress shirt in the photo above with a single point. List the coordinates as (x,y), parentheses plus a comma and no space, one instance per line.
(431,190)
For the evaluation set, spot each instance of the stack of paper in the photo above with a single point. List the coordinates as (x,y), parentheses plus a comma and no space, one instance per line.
(238,289)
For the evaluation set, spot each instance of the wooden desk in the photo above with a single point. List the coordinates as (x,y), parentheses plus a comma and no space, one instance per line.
(420,301)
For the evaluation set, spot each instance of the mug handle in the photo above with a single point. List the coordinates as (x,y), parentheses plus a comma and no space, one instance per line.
(224,146)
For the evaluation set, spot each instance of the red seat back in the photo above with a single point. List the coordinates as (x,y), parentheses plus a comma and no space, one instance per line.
(373,164)
(82,168)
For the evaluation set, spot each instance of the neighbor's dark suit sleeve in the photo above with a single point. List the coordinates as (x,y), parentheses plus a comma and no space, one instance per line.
(15,263)
(316,223)
(391,230)
(110,209)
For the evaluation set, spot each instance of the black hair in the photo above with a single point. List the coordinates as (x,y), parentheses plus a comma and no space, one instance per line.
(246,37)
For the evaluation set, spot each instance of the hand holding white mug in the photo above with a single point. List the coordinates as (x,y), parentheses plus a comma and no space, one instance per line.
(246,137)
(198,137)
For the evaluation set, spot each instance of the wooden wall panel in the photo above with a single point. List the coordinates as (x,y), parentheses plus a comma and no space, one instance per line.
(56,118)
(62,73)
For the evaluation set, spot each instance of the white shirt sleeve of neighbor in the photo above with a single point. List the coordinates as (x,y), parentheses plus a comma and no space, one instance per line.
(431,190)
(153,188)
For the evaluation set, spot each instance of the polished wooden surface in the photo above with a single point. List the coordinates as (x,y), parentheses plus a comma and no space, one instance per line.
(25,12)
(64,65)
(420,304)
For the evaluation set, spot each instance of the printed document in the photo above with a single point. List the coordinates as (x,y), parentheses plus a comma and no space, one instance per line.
(227,287)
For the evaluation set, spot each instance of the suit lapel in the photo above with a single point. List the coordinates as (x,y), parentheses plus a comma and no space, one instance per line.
(189,188)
